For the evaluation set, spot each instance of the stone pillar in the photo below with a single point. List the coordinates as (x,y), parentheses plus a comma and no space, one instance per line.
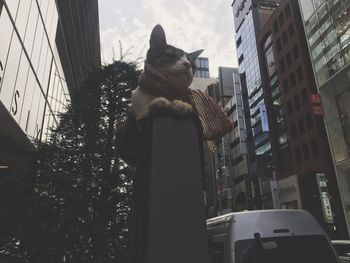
(170,223)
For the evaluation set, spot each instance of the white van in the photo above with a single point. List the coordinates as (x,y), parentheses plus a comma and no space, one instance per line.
(268,236)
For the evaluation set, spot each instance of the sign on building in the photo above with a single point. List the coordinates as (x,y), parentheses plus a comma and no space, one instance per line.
(264,119)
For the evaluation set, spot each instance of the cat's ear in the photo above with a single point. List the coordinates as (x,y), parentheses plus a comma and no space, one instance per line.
(157,39)
(194,55)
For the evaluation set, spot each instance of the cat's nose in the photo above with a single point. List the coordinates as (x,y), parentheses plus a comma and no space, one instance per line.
(187,64)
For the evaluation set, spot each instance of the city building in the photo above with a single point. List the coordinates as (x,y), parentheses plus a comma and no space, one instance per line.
(302,161)
(39,70)
(249,17)
(201,79)
(202,68)
(232,182)
(327,30)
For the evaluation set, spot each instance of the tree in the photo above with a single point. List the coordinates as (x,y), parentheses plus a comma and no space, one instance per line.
(78,202)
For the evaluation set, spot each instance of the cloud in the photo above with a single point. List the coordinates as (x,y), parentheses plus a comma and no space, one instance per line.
(189,25)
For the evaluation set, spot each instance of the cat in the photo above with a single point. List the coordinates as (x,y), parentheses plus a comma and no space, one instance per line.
(166,78)
(164,86)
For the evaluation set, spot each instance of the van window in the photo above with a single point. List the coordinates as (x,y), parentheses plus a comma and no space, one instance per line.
(291,249)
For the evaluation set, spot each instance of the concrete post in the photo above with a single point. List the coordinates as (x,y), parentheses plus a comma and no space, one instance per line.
(170,221)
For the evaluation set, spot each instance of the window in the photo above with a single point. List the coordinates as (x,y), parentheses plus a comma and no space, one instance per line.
(300,74)
(287,10)
(293,131)
(239,41)
(314,148)
(240,59)
(304,97)
(292,80)
(309,122)
(278,45)
(301,126)
(291,30)
(297,155)
(275,26)
(286,85)
(289,58)
(282,66)
(296,102)
(285,37)
(295,51)
(289,108)
(299,249)
(306,151)
(281,18)
(270,61)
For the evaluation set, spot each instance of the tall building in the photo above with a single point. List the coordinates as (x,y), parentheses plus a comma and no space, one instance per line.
(35,79)
(201,81)
(249,17)
(202,68)
(232,182)
(201,78)
(327,30)
(78,40)
(301,156)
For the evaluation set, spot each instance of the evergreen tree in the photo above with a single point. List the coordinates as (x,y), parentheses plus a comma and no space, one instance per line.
(76,206)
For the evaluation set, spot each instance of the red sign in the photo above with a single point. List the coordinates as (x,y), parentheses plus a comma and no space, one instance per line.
(315,98)
(317,110)
(316,106)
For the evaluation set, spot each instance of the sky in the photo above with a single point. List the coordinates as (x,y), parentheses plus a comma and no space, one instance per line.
(189,25)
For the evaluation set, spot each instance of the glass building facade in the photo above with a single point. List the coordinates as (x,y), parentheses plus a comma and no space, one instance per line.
(202,68)
(32,83)
(249,17)
(328,33)
(327,27)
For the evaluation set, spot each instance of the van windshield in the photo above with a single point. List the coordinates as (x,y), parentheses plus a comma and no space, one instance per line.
(291,249)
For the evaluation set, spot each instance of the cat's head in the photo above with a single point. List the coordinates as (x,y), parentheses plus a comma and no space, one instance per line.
(177,65)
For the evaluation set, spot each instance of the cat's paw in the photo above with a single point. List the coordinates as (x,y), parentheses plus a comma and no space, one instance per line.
(159,104)
(181,107)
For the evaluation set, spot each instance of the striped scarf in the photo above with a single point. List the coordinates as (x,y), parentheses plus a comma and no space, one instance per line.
(214,121)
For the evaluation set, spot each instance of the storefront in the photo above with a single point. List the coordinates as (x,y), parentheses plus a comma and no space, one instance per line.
(289,193)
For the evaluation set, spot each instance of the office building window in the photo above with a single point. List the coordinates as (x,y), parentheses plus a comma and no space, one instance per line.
(292,80)
(275,26)
(306,151)
(240,59)
(291,30)
(301,126)
(278,45)
(287,10)
(308,120)
(285,37)
(285,85)
(300,74)
(239,41)
(314,148)
(289,108)
(304,97)
(293,131)
(296,102)
(295,51)
(281,19)
(297,154)
(289,58)
(282,66)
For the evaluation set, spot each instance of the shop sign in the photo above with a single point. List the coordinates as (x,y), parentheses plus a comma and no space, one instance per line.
(316,106)
(325,202)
